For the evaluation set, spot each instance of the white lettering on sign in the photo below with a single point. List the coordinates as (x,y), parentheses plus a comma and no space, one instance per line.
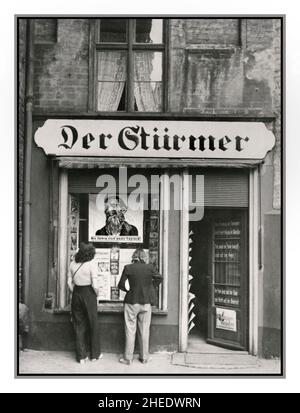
(155,139)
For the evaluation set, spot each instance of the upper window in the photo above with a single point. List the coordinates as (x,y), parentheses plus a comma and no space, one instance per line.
(130,56)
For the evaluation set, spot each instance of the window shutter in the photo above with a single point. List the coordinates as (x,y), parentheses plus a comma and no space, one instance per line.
(223,188)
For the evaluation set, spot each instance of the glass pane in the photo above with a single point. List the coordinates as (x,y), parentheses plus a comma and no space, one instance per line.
(227,252)
(148,81)
(148,96)
(149,31)
(111,81)
(148,66)
(226,262)
(113,30)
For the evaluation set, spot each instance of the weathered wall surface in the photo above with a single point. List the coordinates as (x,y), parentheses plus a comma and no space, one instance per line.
(216,66)
(20,137)
(276,105)
(61,66)
(270,337)
(228,66)
(222,66)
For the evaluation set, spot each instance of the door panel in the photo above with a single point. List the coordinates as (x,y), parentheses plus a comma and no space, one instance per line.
(228,280)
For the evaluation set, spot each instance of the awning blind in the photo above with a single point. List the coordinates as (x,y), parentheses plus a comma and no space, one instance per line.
(223,188)
(102,163)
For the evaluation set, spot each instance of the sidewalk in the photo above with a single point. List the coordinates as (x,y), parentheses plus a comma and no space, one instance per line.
(61,363)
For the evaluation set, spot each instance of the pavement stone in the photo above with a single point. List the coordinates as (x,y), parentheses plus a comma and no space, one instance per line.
(33,362)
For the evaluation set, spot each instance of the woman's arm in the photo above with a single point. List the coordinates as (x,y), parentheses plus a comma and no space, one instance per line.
(94,276)
(70,282)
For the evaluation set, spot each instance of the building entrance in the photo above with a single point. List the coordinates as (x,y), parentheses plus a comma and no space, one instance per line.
(218,279)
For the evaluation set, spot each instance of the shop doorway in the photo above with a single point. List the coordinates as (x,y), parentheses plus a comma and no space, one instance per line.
(218,281)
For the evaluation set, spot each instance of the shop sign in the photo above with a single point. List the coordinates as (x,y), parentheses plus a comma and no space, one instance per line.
(225,319)
(155,139)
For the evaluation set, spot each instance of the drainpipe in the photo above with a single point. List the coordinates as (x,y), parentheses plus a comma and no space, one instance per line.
(27,156)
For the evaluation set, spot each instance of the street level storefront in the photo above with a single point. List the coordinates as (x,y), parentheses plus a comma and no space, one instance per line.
(192,194)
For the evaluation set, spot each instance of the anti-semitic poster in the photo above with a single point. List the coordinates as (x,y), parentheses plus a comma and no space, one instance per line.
(112,220)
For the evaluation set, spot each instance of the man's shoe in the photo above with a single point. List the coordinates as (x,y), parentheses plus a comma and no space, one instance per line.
(145,361)
(82,361)
(98,358)
(125,361)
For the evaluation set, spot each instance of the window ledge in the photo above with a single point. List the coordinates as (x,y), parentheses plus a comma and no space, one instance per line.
(236,114)
(212,50)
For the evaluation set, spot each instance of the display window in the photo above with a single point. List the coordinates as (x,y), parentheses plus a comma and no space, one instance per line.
(116,223)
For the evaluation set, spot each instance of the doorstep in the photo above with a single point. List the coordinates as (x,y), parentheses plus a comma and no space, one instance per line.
(215,361)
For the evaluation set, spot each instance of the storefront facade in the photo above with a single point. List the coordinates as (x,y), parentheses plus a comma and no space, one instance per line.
(186,113)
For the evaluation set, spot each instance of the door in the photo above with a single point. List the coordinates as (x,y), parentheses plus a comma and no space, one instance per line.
(228,280)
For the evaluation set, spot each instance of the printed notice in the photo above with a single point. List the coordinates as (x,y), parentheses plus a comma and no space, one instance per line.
(226,319)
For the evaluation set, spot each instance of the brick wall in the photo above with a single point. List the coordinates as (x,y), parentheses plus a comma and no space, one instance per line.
(276,103)
(259,33)
(212,31)
(45,31)
(21,129)
(61,69)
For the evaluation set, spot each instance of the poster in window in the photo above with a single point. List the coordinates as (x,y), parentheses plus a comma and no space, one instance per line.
(109,273)
(112,220)
(73,226)
(103,279)
(154,224)
(226,319)
(153,259)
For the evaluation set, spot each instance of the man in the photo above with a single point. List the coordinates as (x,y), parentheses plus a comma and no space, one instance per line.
(137,304)
(115,210)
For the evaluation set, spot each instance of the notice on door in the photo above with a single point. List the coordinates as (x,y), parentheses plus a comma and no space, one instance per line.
(226,319)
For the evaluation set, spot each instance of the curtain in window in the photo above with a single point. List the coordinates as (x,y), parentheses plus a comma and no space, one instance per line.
(147,82)
(111,79)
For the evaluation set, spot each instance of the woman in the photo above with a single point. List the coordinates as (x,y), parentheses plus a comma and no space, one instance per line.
(82,283)
(137,304)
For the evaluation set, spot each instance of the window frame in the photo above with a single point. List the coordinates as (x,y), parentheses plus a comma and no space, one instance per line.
(129,47)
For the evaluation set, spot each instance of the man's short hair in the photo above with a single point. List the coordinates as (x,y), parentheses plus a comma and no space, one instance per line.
(139,255)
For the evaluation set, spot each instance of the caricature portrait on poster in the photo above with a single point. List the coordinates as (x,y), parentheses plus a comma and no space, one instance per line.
(111,219)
